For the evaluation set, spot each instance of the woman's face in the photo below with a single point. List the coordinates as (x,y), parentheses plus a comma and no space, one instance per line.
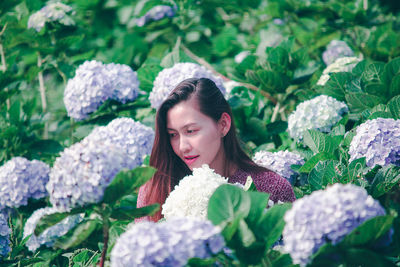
(195,137)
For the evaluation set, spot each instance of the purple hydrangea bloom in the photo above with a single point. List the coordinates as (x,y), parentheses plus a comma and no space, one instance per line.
(377,140)
(52,12)
(167,79)
(21,179)
(167,243)
(156,13)
(83,171)
(319,113)
(133,137)
(49,236)
(94,83)
(4,236)
(326,216)
(336,49)
(279,162)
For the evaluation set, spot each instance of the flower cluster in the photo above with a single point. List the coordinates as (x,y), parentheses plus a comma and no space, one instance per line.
(21,179)
(156,13)
(326,216)
(168,243)
(83,171)
(343,64)
(94,83)
(378,141)
(49,236)
(52,12)
(336,49)
(4,236)
(133,137)
(279,162)
(320,113)
(190,197)
(167,79)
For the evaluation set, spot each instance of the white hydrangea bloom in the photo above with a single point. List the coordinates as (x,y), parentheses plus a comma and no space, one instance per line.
(190,197)
(52,12)
(343,64)
(319,113)
(168,78)
(49,236)
(229,85)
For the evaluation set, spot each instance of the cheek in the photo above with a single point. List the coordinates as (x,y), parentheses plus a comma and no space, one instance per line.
(174,145)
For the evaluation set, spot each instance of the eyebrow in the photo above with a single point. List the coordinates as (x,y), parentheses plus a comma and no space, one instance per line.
(184,126)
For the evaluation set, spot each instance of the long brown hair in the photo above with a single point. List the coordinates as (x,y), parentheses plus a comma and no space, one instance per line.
(170,168)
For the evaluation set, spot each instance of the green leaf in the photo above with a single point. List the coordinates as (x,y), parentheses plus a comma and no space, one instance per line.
(336,85)
(227,206)
(279,57)
(276,127)
(324,173)
(15,111)
(126,182)
(310,164)
(272,81)
(353,171)
(395,86)
(78,234)
(131,212)
(259,201)
(385,179)
(319,142)
(148,72)
(245,234)
(364,257)
(368,232)
(223,42)
(360,101)
(197,262)
(46,146)
(394,107)
(49,220)
(390,71)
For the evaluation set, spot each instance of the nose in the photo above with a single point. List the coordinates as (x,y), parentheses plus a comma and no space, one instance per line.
(184,145)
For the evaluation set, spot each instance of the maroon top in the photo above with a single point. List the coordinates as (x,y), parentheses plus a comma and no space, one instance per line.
(278,188)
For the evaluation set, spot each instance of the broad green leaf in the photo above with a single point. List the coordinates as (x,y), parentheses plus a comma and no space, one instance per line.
(197,262)
(276,127)
(395,86)
(365,257)
(78,234)
(320,142)
(353,171)
(126,182)
(360,101)
(385,179)
(272,81)
(336,85)
(324,173)
(380,114)
(223,42)
(394,107)
(279,57)
(310,164)
(390,71)
(15,111)
(46,146)
(259,201)
(368,232)
(131,212)
(245,235)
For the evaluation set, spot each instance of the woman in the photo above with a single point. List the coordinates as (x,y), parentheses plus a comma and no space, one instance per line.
(194,126)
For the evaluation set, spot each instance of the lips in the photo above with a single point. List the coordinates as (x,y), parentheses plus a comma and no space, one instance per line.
(190,159)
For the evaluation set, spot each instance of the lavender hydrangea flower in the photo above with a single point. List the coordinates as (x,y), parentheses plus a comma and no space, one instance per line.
(326,216)
(49,236)
(320,113)
(191,196)
(132,137)
(156,13)
(52,12)
(4,236)
(83,171)
(167,79)
(21,179)
(377,140)
(336,49)
(343,64)
(167,243)
(279,162)
(94,83)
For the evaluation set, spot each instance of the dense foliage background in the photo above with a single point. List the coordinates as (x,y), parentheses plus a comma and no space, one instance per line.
(285,42)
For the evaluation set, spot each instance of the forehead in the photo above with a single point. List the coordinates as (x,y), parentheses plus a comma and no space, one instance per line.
(185,113)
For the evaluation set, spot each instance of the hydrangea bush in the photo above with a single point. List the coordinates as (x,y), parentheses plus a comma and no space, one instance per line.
(21,179)
(83,171)
(336,49)
(279,162)
(94,83)
(320,113)
(4,236)
(48,236)
(377,140)
(168,243)
(326,216)
(52,12)
(168,78)
(190,197)
(156,13)
(343,64)
(132,137)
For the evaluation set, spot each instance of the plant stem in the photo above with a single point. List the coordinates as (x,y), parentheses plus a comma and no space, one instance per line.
(201,61)
(42,90)
(105,240)
(4,69)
